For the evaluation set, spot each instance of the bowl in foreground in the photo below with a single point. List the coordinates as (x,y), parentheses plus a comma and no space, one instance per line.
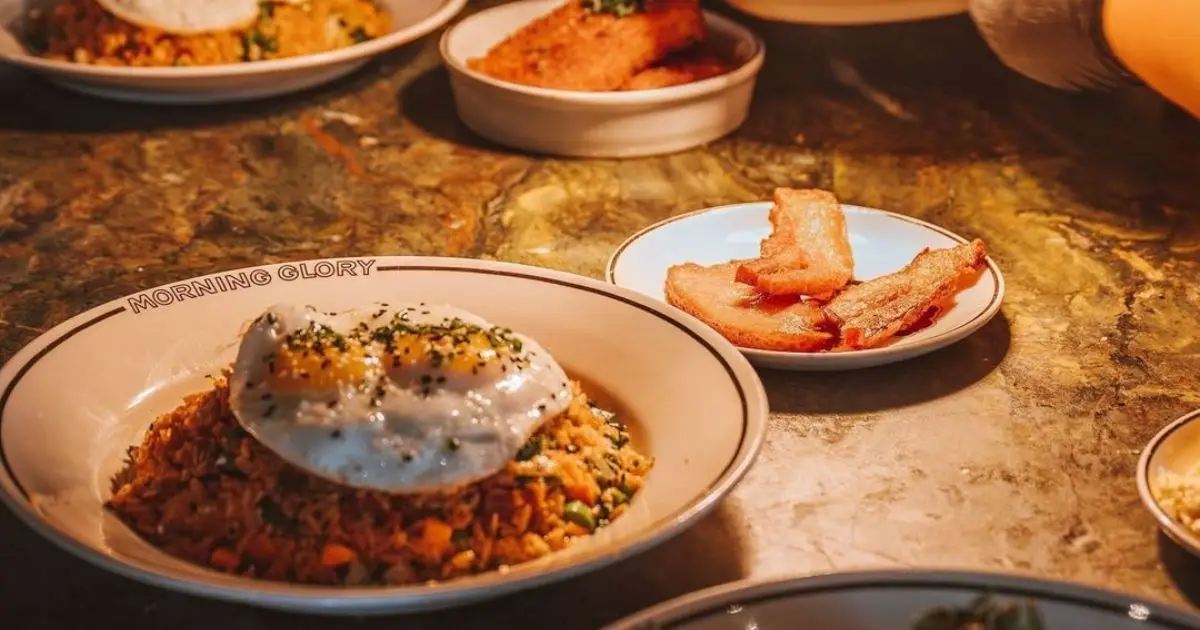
(894,600)
(882,242)
(1174,451)
(194,85)
(596,124)
(694,403)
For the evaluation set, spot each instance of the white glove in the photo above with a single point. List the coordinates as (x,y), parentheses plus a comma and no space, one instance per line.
(1057,42)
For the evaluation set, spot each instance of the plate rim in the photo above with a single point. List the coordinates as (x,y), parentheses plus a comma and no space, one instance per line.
(340,600)
(703,603)
(979,320)
(448,10)
(1183,537)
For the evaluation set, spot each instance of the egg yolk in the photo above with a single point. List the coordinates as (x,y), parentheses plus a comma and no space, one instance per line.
(302,369)
(458,354)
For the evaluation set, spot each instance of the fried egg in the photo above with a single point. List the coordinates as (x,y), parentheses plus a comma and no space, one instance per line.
(185,17)
(405,398)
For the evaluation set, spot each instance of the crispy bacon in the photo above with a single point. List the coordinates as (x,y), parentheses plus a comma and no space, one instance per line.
(871,313)
(744,315)
(808,251)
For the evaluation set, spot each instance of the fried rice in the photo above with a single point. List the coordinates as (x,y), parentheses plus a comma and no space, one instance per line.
(83,32)
(202,489)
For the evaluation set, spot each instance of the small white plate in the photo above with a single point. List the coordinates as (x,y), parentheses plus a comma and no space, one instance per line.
(883,242)
(73,400)
(849,11)
(596,124)
(1176,449)
(893,600)
(225,83)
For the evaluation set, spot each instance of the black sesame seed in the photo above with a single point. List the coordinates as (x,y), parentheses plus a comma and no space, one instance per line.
(408,457)
(453,443)
(270,410)
(425,379)
(335,434)
(441,379)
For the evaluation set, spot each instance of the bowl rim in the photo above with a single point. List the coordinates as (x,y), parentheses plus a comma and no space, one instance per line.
(705,602)
(447,10)
(704,87)
(984,315)
(342,600)
(1174,530)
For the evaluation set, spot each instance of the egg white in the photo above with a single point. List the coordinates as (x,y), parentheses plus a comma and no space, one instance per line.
(185,17)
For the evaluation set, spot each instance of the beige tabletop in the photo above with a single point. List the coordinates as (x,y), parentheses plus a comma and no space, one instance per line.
(1013,450)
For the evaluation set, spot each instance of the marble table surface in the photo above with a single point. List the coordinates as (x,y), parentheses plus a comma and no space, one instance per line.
(1013,450)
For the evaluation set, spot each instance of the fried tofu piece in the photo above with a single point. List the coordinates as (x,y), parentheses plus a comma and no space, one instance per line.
(682,68)
(872,313)
(742,314)
(808,251)
(573,48)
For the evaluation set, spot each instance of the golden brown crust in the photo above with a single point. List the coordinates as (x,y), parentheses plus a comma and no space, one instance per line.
(572,48)
(872,313)
(808,251)
(743,315)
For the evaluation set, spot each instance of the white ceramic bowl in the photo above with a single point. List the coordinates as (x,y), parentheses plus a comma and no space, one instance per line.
(883,242)
(224,83)
(74,399)
(892,600)
(595,124)
(848,11)
(1175,449)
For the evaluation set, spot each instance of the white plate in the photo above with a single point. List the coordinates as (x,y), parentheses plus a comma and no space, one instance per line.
(892,600)
(849,11)
(76,397)
(883,242)
(411,19)
(1176,449)
(596,124)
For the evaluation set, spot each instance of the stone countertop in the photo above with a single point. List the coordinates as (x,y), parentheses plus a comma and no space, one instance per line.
(1013,450)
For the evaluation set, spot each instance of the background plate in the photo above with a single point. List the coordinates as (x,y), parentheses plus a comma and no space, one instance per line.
(883,242)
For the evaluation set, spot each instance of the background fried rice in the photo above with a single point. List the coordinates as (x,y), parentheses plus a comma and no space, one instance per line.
(202,489)
(83,32)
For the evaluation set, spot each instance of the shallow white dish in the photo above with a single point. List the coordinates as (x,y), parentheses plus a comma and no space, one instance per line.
(1175,449)
(595,124)
(134,358)
(883,242)
(195,85)
(849,11)
(891,600)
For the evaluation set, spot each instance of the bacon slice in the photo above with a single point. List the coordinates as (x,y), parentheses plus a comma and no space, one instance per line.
(742,314)
(871,313)
(808,251)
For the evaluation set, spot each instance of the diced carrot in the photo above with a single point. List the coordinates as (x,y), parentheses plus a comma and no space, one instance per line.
(435,536)
(334,555)
(223,558)
(579,485)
